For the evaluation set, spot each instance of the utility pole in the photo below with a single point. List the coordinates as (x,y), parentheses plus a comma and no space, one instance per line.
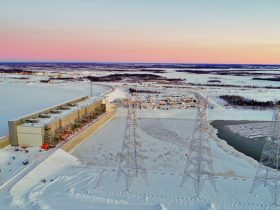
(91,91)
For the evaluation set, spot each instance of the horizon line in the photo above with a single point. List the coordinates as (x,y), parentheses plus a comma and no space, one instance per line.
(129,62)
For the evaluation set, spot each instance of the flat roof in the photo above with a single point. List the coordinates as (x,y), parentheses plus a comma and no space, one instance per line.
(56,116)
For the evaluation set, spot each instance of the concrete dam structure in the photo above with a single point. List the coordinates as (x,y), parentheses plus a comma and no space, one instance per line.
(56,123)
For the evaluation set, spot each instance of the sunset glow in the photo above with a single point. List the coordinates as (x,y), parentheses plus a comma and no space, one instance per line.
(140,31)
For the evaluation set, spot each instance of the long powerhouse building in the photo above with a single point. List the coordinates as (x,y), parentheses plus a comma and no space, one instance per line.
(37,128)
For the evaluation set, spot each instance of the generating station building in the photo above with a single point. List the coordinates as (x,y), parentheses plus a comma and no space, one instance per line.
(51,125)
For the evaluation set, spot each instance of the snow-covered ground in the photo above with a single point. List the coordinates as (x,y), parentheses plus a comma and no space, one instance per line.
(11,161)
(253,130)
(225,79)
(87,177)
(116,94)
(54,163)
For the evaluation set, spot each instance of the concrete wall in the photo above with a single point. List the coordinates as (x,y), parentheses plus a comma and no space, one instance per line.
(13,132)
(72,117)
(4,142)
(30,136)
(93,107)
(53,127)
(97,124)
(69,119)
(27,139)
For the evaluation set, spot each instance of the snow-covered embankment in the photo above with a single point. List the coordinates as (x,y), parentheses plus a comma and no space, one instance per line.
(54,163)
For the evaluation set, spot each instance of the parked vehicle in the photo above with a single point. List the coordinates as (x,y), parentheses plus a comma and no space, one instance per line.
(25,162)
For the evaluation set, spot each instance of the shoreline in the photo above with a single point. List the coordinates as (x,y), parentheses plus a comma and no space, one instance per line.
(249,147)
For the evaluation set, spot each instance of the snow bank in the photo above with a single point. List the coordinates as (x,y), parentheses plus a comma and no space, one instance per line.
(115,94)
(54,163)
(4,156)
(160,207)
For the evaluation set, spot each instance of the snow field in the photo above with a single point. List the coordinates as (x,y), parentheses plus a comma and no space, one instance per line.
(165,137)
(94,183)
(77,187)
(11,161)
(252,130)
(54,163)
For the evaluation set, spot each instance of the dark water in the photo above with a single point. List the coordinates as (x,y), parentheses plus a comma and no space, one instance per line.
(251,147)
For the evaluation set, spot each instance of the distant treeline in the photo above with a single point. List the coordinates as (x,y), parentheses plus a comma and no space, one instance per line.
(132,90)
(234,86)
(275,79)
(236,100)
(214,80)
(15,71)
(231,72)
(134,77)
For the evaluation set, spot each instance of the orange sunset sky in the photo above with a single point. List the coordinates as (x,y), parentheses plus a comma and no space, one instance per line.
(185,31)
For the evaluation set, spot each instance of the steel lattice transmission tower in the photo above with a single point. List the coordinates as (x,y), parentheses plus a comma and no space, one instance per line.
(268,170)
(131,163)
(199,163)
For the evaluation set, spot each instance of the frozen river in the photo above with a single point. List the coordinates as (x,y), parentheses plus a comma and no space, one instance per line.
(18,99)
(250,141)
